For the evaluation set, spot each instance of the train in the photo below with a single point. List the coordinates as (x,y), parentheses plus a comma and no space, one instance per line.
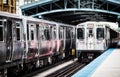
(27,43)
(93,38)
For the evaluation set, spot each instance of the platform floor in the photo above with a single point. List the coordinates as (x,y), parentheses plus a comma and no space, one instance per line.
(106,65)
(110,67)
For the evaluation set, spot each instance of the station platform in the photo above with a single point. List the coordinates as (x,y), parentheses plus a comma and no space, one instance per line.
(106,65)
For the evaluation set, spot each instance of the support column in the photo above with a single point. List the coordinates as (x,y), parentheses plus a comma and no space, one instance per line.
(65,4)
(93,4)
(78,4)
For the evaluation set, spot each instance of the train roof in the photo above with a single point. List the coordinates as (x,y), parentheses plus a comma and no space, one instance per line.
(31,19)
(10,15)
(109,24)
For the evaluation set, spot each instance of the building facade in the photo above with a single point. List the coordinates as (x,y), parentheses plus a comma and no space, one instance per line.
(13,6)
(8,6)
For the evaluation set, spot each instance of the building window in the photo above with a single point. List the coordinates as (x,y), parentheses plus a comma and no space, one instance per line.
(5,1)
(12,2)
(29,1)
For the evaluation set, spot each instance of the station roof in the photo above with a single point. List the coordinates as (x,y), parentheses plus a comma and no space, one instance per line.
(74,11)
(37,3)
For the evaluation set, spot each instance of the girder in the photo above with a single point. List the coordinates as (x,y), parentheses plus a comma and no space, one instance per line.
(74,10)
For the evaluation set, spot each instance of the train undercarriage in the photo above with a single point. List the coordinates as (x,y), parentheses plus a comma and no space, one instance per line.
(88,56)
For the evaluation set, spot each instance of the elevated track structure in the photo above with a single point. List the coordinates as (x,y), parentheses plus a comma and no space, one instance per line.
(74,11)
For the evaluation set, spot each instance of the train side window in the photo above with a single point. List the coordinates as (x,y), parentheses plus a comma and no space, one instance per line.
(37,31)
(31,31)
(32,35)
(27,32)
(0,22)
(18,31)
(42,33)
(80,33)
(54,34)
(68,34)
(72,34)
(100,33)
(47,34)
(61,33)
(1,33)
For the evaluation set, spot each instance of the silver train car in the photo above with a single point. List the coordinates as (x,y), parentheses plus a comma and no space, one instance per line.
(47,42)
(92,38)
(27,43)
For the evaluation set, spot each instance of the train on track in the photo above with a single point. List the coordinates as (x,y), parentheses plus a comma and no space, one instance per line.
(93,38)
(27,43)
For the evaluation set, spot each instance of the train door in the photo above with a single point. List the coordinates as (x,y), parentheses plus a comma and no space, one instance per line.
(53,41)
(90,37)
(71,35)
(45,46)
(32,43)
(73,41)
(63,37)
(70,40)
(80,38)
(45,39)
(16,37)
(42,42)
(62,40)
(39,38)
(19,37)
(47,33)
(107,37)
(2,41)
(9,41)
(74,38)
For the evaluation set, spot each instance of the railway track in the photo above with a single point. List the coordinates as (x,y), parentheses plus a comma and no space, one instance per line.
(67,71)
(39,70)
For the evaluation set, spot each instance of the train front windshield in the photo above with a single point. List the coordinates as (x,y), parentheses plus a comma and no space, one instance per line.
(80,33)
(100,33)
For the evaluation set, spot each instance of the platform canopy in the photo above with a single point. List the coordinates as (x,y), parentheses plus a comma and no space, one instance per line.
(74,11)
